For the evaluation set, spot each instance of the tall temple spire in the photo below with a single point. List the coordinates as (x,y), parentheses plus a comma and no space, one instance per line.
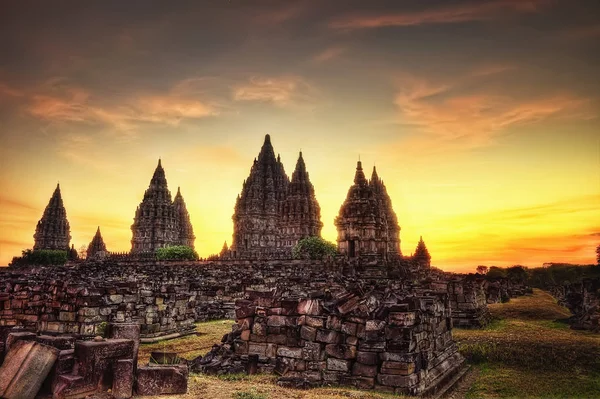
(155,224)
(257,212)
(53,230)
(301,213)
(96,248)
(186,231)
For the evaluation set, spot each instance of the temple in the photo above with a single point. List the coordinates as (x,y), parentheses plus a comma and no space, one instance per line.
(421,258)
(53,231)
(96,248)
(158,221)
(301,213)
(271,214)
(366,223)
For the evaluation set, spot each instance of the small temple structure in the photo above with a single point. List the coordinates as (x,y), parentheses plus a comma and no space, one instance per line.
(421,258)
(272,213)
(96,248)
(53,230)
(367,224)
(158,221)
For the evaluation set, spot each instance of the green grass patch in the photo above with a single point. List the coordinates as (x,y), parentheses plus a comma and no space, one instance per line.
(252,394)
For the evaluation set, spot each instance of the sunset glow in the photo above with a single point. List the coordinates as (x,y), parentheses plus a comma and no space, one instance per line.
(481,117)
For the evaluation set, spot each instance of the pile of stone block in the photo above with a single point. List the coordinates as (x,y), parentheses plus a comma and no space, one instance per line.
(370,338)
(583,300)
(63,367)
(468,303)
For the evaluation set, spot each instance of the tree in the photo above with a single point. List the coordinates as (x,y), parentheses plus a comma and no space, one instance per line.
(495,272)
(598,255)
(176,252)
(313,248)
(517,273)
(481,269)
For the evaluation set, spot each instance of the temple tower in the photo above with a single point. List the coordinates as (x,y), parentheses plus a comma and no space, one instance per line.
(366,223)
(156,222)
(301,216)
(186,231)
(96,246)
(256,218)
(421,257)
(53,230)
(385,208)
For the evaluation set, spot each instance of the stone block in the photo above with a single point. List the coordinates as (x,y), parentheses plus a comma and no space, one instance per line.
(160,380)
(311,351)
(25,368)
(369,358)
(328,336)
(123,379)
(341,351)
(364,370)
(309,307)
(295,353)
(397,380)
(308,333)
(338,365)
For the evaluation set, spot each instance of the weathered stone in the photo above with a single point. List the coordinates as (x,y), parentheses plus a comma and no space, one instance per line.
(25,367)
(123,379)
(160,380)
(338,365)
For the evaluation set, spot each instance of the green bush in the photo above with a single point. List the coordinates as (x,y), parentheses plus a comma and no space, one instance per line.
(313,248)
(176,252)
(41,257)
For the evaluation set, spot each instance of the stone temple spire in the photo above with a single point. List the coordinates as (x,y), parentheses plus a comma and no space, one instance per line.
(186,231)
(53,230)
(385,208)
(301,216)
(421,256)
(96,246)
(366,223)
(156,223)
(257,212)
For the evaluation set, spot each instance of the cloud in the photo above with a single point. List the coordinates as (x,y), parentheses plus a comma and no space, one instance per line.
(58,101)
(328,54)
(466,12)
(463,113)
(280,91)
(582,32)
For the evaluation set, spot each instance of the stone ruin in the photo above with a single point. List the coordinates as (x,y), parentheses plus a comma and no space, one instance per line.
(369,337)
(66,368)
(583,300)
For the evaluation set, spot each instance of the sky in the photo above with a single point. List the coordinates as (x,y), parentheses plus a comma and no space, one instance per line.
(482,117)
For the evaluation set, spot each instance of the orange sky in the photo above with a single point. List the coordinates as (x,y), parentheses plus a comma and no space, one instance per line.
(482,117)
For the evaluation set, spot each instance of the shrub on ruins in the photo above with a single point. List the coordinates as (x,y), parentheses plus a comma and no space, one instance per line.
(517,273)
(495,272)
(313,248)
(41,257)
(176,252)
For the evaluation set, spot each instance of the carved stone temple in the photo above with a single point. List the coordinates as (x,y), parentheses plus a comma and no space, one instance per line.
(271,213)
(367,224)
(159,221)
(96,248)
(53,231)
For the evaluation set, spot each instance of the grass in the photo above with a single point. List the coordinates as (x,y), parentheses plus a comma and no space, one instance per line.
(529,351)
(191,346)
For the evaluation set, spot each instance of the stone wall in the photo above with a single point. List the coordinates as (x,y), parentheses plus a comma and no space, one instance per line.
(165,298)
(378,337)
